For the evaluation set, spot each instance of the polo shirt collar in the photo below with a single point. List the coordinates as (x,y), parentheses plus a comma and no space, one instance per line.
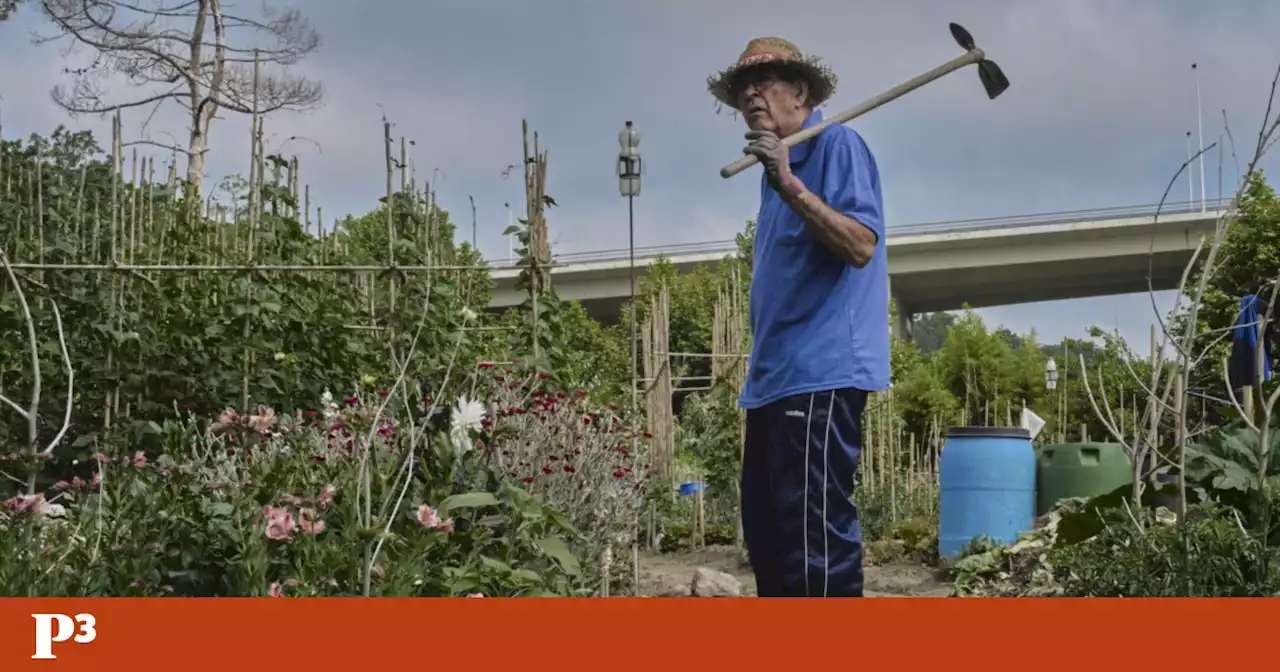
(801,151)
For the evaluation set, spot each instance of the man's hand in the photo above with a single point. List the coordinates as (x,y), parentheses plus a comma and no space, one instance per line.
(776,159)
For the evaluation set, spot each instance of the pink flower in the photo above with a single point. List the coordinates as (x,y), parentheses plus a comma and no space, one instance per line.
(430,519)
(275,590)
(263,421)
(280,524)
(139,460)
(226,421)
(23,503)
(326,496)
(309,523)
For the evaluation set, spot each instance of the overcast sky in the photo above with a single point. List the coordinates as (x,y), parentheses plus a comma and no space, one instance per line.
(1101,100)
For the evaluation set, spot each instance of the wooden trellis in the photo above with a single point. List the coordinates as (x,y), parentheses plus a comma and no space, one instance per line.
(657,370)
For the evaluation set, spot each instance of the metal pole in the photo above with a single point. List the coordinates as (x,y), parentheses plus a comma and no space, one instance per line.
(635,405)
(1191,180)
(631,248)
(473,221)
(1200,125)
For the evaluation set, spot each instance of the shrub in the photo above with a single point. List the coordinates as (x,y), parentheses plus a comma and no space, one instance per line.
(1212,555)
(579,458)
(343,502)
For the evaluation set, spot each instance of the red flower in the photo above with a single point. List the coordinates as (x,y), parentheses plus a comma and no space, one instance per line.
(586,419)
(624,452)
(384,394)
(231,452)
(547,470)
(646,466)
(617,473)
(527,479)
(485,365)
(648,436)
(569,469)
(351,400)
(544,376)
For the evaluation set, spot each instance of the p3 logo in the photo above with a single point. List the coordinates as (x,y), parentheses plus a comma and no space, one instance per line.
(58,628)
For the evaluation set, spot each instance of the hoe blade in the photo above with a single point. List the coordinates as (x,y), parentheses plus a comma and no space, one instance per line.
(963,38)
(993,79)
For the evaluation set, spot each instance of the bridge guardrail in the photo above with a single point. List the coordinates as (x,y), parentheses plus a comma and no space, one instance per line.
(981,224)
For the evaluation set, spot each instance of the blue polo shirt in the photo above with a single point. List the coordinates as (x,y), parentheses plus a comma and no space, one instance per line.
(817,322)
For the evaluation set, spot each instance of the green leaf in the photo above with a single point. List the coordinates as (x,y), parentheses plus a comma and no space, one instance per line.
(496,565)
(221,509)
(558,550)
(470,500)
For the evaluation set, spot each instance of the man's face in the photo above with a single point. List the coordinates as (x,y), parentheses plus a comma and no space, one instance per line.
(770,102)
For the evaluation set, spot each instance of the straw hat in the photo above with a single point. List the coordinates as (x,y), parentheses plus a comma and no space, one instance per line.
(775,51)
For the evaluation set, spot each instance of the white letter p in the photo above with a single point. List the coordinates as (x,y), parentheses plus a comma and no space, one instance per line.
(46,636)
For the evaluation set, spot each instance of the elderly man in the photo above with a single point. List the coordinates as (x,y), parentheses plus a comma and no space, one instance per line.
(820,321)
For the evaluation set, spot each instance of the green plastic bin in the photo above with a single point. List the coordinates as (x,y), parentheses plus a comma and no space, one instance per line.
(1079,470)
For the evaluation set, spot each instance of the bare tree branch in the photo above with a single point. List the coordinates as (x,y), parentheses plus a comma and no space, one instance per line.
(198,57)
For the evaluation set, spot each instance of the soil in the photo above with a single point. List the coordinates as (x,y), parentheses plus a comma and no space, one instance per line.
(670,574)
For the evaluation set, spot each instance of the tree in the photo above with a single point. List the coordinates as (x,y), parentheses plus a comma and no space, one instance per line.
(930,330)
(1249,261)
(187,52)
(7,8)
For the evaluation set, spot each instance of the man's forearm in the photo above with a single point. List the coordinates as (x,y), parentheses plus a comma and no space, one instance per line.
(845,236)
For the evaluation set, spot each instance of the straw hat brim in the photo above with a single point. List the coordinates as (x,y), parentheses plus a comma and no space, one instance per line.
(820,78)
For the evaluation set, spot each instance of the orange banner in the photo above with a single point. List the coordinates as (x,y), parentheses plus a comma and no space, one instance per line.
(624,634)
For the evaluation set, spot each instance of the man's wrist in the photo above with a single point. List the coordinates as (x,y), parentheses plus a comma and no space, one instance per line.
(792,188)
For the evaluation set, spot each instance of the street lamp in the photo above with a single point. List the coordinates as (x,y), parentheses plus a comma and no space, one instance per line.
(1050,375)
(629,169)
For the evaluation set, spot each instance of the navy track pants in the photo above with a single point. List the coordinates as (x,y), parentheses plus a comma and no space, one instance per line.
(798,516)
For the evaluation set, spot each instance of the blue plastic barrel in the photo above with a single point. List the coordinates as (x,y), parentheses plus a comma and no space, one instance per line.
(988,482)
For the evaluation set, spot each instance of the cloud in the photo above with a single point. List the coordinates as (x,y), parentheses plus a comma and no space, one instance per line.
(1102,96)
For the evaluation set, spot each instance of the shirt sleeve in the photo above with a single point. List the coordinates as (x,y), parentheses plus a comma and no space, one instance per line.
(851,181)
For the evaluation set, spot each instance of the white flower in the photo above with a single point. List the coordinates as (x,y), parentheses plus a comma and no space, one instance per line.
(468,416)
(52,510)
(330,408)
(467,314)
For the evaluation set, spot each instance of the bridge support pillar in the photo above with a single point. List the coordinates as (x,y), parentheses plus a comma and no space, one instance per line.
(903,316)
